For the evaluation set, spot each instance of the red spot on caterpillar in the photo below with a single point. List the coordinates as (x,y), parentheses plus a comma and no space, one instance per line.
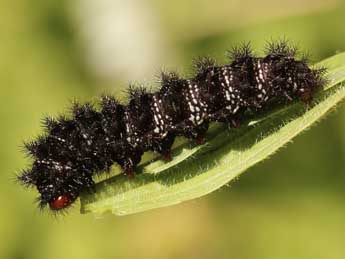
(61,202)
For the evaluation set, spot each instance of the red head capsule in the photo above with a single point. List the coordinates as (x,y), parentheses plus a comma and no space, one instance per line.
(61,202)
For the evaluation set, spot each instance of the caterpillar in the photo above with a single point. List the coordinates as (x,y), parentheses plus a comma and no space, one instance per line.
(74,149)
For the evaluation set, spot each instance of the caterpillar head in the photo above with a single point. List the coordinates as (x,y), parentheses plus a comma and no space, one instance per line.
(58,188)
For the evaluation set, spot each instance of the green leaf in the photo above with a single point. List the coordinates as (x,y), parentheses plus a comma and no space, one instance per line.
(198,170)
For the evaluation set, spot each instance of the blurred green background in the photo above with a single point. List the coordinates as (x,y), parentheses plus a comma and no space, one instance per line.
(51,52)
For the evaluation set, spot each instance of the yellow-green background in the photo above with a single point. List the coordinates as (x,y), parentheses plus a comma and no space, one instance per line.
(290,206)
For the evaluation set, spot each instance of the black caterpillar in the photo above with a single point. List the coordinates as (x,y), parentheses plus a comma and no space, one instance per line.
(74,149)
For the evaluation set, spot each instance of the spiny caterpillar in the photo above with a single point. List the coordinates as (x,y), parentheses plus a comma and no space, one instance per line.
(91,141)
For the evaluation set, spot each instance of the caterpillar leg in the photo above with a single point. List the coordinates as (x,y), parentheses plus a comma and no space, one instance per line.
(305,95)
(128,164)
(200,139)
(163,145)
(223,116)
(166,156)
(192,132)
(128,170)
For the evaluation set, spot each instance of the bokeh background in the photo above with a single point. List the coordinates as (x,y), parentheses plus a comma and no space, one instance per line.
(52,52)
